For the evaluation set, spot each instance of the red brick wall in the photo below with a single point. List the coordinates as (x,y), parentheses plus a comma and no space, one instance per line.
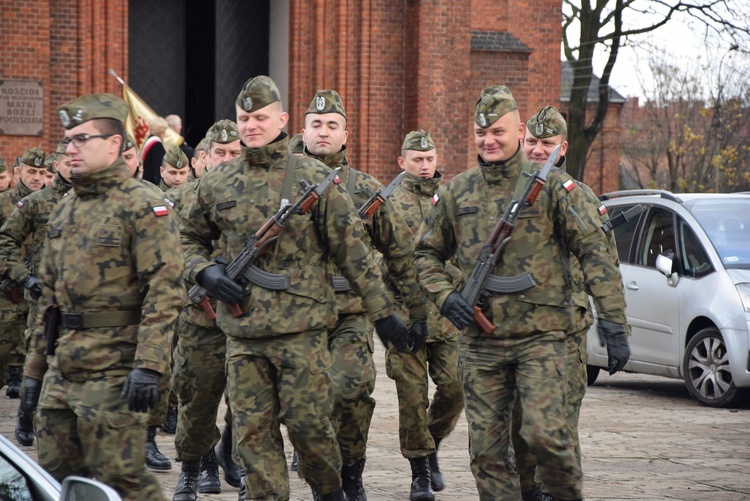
(69,45)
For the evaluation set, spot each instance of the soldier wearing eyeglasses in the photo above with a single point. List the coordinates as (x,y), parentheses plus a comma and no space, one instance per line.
(111,269)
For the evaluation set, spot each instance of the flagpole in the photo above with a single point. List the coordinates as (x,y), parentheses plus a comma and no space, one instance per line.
(114,74)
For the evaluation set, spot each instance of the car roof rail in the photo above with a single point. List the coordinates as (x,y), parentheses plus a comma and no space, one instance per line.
(633,193)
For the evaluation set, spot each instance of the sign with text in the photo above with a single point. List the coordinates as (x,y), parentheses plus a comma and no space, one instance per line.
(21,108)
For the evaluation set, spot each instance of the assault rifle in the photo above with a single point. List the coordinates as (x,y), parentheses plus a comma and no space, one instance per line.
(379,197)
(239,269)
(481,279)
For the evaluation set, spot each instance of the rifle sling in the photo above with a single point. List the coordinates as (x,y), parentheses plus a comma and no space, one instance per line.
(99,320)
(265,279)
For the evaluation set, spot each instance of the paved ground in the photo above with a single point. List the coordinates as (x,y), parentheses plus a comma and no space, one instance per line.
(643,438)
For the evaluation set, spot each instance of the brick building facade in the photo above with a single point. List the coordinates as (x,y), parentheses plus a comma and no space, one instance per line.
(398,64)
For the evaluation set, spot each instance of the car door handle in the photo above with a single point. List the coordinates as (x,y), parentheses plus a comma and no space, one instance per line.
(632,286)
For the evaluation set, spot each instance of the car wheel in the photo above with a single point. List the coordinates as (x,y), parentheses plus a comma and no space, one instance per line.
(592,372)
(706,370)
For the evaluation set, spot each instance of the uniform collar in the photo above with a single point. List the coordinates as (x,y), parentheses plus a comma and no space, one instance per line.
(421,186)
(94,183)
(60,185)
(498,172)
(332,161)
(270,155)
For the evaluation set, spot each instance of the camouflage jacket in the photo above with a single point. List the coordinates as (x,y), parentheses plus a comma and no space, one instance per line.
(29,221)
(387,232)
(8,200)
(414,198)
(233,200)
(561,222)
(112,246)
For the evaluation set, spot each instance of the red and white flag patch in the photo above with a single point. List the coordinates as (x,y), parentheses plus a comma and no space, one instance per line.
(602,210)
(569,185)
(161,210)
(336,180)
(435,198)
(19,204)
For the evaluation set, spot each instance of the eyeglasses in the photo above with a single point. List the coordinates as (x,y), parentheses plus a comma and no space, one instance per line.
(80,139)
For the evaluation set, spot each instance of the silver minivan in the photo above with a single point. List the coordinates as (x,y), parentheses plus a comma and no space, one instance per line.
(685,263)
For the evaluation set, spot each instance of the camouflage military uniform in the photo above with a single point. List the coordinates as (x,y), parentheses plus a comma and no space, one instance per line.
(420,422)
(13,315)
(526,352)
(277,357)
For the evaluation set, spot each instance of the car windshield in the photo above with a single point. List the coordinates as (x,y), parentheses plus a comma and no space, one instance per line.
(727,223)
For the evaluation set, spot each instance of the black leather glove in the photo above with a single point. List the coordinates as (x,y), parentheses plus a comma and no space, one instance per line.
(34,286)
(219,285)
(614,337)
(141,389)
(417,335)
(392,329)
(457,310)
(30,390)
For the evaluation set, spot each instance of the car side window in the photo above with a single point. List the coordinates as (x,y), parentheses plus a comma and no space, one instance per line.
(695,261)
(658,237)
(13,485)
(624,232)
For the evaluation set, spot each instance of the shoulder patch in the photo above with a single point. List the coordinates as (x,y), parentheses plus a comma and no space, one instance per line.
(602,210)
(19,204)
(160,210)
(169,202)
(569,185)
(435,199)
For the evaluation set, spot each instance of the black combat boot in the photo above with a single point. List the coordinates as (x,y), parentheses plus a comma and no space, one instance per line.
(550,497)
(242,489)
(421,485)
(13,379)
(155,460)
(351,479)
(187,484)
(533,494)
(25,427)
(208,482)
(170,422)
(436,476)
(232,472)
(339,495)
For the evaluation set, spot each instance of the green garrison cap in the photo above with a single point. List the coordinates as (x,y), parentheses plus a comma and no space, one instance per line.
(85,108)
(494,102)
(176,157)
(49,163)
(326,101)
(3,165)
(201,147)
(296,144)
(224,132)
(61,148)
(257,93)
(129,141)
(418,140)
(548,122)
(34,157)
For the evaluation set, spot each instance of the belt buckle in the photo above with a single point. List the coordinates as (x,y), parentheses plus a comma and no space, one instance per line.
(74,320)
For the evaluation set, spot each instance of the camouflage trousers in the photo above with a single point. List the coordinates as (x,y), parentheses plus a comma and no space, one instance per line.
(198,380)
(576,375)
(353,372)
(419,421)
(283,380)
(12,327)
(86,429)
(497,371)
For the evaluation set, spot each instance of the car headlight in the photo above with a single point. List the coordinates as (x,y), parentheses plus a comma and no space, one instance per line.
(744,290)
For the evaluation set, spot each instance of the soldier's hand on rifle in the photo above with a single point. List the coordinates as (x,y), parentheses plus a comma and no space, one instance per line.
(457,310)
(392,329)
(614,337)
(141,390)
(34,286)
(418,335)
(219,285)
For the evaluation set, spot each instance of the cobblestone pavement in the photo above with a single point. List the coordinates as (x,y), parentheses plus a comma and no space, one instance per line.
(643,438)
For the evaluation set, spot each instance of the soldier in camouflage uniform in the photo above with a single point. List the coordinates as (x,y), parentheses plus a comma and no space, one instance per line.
(351,340)
(23,231)
(423,425)
(199,375)
(5,176)
(174,170)
(277,355)
(49,169)
(198,160)
(111,268)
(13,306)
(525,354)
(131,156)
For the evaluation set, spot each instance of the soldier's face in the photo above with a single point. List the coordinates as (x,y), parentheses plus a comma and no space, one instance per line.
(198,163)
(4,180)
(422,164)
(324,134)
(539,150)
(48,177)
(95,153)
(501,140)
(220,153)
(62,165)
(173,176)
(262,126)
(132,160)
(33,177)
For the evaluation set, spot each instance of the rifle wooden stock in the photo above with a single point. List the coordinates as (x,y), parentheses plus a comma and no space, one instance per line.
(205,305)
(482,321)
(307,204)
(368,211)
